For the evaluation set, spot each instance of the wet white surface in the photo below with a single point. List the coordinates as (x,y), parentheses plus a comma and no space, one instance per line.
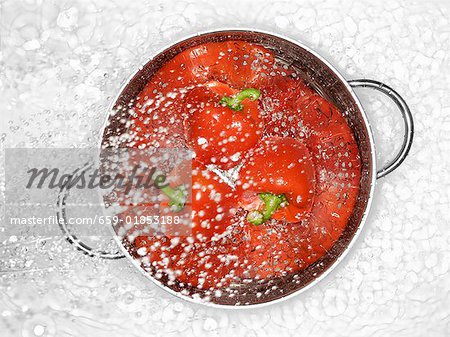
(62,62)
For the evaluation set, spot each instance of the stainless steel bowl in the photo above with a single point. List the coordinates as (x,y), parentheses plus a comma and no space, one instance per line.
(327,81)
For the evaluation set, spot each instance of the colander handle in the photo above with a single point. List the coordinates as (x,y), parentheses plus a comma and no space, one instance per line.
(407,119)
(72,238)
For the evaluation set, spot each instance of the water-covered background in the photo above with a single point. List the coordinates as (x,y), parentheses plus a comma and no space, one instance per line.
(61,64)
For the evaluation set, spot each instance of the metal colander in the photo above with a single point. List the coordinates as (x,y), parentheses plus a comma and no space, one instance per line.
(319,74)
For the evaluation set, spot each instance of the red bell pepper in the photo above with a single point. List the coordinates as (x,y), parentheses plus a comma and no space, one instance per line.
(157,120)
(277,180)
(212,202)
(202,258)
(221,124)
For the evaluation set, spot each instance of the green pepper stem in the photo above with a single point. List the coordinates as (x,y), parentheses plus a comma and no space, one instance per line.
(235,103)
(272,203)
(177,196)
